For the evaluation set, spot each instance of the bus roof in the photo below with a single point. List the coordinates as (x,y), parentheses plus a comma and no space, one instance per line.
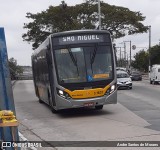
(71,32)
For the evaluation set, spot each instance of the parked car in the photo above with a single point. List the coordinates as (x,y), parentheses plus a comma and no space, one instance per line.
(155,74)
(121,68)
(136,76)
(123,80)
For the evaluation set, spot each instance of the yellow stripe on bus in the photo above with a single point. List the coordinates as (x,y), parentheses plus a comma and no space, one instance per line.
(87,93)
(101,76)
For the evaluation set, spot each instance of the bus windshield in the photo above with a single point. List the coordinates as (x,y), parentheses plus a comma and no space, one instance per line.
(84,64)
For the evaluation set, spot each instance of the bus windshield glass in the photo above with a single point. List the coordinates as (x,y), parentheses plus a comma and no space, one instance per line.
(84,64)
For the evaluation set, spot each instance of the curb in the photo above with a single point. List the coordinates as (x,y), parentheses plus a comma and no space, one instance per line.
(22,138)
(13,82)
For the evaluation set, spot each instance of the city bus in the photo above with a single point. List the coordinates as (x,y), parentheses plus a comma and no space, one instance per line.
(75,69)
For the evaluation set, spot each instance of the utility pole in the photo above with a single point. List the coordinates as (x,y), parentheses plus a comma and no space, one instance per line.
(125,53)
(120,57)
(120,53)
(130,55)
(99,14)
(130,60)
(149,28)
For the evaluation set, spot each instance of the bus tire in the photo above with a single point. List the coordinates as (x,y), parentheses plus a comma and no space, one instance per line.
(40,101)
(54,111)
(99,107)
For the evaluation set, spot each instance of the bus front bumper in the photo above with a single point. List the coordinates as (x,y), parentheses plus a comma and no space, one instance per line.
(62,103)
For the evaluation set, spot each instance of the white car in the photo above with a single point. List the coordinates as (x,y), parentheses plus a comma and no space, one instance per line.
(123,80)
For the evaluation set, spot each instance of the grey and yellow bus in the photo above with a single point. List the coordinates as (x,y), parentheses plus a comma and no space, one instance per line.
(75,69)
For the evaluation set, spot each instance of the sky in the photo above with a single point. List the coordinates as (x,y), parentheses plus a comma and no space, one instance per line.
(13,17)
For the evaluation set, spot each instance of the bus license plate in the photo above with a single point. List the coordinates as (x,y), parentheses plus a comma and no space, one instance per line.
(90,104)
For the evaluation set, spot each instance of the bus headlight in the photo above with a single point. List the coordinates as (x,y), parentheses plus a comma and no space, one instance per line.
(113,87)
(63,94)
(111,90)
(60,92)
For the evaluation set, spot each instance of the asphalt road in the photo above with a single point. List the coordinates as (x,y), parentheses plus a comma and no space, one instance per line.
(144,101)
(136,117)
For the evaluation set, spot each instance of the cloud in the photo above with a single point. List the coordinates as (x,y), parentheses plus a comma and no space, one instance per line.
(13,12)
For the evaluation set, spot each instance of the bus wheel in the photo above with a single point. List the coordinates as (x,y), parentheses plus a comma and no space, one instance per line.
(40,101)
(99,107)
(54,111)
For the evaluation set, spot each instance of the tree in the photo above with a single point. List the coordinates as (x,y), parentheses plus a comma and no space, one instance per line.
(119,21)
(141,61)
(155,54)
(14,68)
(121,62)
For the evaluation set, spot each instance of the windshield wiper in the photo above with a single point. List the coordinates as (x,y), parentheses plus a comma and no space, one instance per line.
(73,60)
(93,57)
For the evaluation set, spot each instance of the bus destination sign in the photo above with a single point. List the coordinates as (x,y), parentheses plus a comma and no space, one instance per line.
(75,39)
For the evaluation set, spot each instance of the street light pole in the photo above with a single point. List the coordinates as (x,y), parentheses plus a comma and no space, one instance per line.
(130,53)
(99,14)
(124,52)
(149,55)
(120,60)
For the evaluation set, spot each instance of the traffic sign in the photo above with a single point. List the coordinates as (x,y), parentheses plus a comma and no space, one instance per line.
(133,47)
